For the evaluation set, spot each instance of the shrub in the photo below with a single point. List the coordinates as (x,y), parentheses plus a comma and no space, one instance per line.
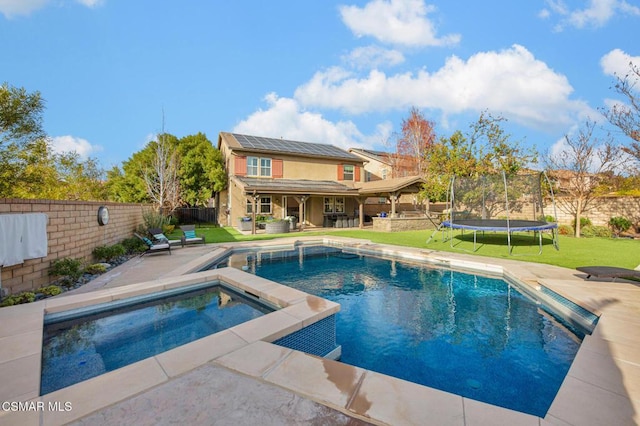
(167,229)
(153,219)
(108,253)
(52,290)
(67,268)
(549,218)
(17,299)
(584,221)
(96,269)
(133,245)
(619,225)
(565,230)
(591,231)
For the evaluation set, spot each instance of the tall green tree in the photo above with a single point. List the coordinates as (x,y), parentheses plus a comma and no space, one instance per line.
(201,169)
(448,157)
(486,149)
(20,115)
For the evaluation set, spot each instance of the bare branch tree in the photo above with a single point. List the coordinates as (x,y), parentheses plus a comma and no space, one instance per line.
(580,167)
(627,116)
(161,178)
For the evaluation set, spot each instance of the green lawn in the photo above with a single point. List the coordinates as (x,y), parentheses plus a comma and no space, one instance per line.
(573,252)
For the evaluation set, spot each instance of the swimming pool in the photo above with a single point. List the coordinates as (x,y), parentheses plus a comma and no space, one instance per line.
(475,336)
(79,345)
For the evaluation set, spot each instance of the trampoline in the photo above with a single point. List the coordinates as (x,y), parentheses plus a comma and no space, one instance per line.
(498,203)
(508,226)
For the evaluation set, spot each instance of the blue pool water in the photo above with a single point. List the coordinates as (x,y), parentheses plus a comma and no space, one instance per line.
(470,335)
(79,349)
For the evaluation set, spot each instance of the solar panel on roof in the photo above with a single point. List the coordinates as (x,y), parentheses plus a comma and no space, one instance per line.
(283,145)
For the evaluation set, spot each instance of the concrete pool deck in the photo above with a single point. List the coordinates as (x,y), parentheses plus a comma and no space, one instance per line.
(245,380)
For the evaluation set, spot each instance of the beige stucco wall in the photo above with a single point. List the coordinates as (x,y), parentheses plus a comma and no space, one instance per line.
(72,232)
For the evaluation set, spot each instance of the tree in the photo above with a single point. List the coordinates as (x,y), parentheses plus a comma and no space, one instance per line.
(496,151)
(20,132)
(161,176)
(201,169)
(200,172)
(417,137)
(80,180)
(20,115)
(580,167)
(449,157)
(486,150)
(627,116)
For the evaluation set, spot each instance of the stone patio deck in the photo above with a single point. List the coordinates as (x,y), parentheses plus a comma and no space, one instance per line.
(246,380)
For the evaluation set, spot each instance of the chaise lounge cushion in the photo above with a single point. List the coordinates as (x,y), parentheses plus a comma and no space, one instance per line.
(189,235)
(608,272)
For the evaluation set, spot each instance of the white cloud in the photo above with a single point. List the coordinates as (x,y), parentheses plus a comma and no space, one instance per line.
(401,22)
(13,8)
(62,144)
(285,119)
(373,57)
(597,13)
(511,82)
(617,62)
(91,3)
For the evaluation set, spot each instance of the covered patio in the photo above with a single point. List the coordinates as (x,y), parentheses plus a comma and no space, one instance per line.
(320,204)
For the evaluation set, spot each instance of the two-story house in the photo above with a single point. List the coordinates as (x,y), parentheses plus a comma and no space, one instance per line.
(315,182)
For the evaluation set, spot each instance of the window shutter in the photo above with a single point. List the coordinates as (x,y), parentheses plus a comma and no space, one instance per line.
(340,172)
(357,173)
(276,168)
(240,166)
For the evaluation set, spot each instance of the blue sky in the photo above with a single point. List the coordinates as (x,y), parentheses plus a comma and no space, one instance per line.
(344,72)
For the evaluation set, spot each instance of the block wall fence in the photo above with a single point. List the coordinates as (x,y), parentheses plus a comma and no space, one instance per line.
(73,232)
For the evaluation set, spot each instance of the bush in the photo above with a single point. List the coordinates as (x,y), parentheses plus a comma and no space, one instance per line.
(565,230)
(584,221)
(153,219)
(549,218)
(52,290)
(18,299)
(108,253)
(67,268)
(133,245)
(595,231)
(619,225)
(96,269)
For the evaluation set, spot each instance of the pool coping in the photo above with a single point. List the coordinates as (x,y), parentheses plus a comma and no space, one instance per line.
(600,387)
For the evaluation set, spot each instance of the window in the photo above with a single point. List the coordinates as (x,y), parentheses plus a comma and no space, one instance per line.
(257,166)
(265,167)
(328,204)
(263,205)
(347,172)
(334,204)
(252,166)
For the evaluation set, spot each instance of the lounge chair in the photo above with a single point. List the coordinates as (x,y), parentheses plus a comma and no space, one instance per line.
(158,236)
(609,272)
(189,235)
(154,247)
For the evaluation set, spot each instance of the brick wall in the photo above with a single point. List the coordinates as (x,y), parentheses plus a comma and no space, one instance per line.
(72,230)
(602,209)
